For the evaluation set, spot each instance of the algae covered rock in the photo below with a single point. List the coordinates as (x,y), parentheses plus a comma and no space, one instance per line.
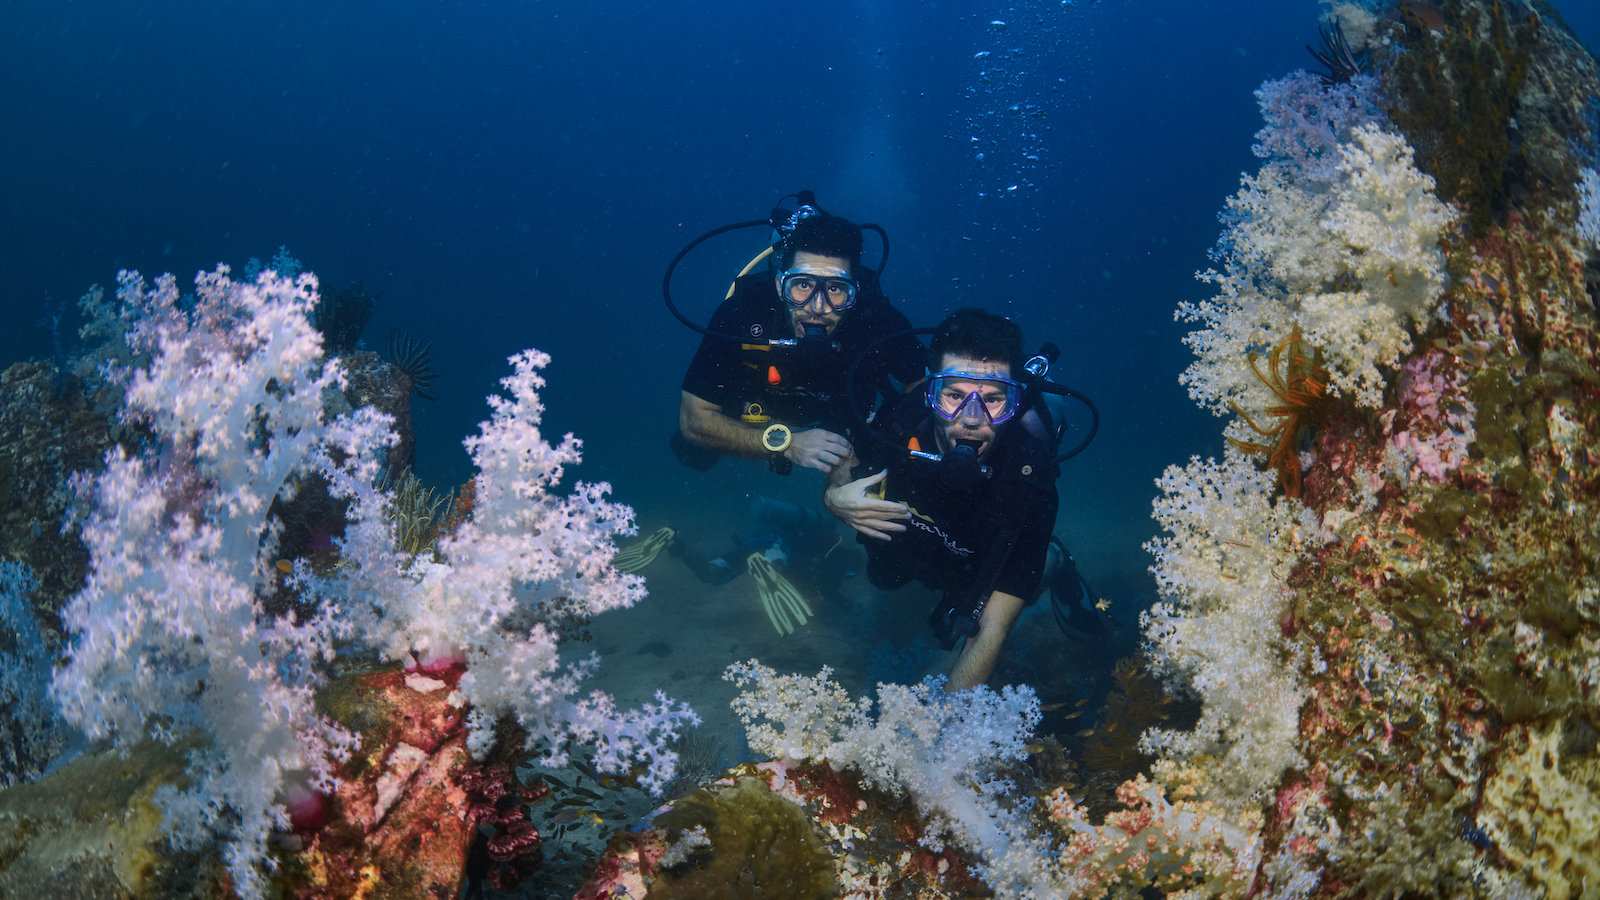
(398,826)
(781,830)
(92,829)
(399,821)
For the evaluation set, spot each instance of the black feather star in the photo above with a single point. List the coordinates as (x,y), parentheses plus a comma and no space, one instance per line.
(1342,63)
(414,359)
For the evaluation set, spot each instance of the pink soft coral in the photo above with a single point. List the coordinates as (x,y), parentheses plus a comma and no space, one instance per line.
(1430,429)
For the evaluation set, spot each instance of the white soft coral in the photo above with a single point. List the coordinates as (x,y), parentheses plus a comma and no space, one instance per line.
(1222,567)
(1338,233)
(527,562)
(941,749)
(169,635)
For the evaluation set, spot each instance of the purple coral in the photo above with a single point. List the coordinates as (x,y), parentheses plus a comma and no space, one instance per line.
(1431,427)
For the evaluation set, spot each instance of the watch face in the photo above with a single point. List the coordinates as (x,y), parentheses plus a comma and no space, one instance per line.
(776,438)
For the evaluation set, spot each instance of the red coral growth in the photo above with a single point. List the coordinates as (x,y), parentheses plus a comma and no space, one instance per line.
(508,848)
(1345,452)
(838,797)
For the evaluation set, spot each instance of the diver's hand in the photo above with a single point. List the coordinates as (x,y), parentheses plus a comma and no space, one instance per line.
(877,519)
(817,449)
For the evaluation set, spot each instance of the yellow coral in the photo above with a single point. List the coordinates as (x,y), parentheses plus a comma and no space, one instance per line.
(1543,821)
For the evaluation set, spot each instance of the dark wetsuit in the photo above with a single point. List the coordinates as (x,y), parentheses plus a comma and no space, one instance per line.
(955,539)
(796,387)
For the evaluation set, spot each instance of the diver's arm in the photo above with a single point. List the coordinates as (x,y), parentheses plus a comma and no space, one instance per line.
(979,656)
(703,422)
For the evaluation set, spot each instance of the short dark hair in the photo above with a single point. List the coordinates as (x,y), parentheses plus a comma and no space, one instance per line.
(826,235)
(979,335)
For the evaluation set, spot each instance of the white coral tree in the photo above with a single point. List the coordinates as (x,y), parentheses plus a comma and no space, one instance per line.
(500,587)
(170,638)
(942,749)
(169,633)
(1339,235)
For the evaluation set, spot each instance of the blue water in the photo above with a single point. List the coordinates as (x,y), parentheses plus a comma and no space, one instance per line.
(517,174)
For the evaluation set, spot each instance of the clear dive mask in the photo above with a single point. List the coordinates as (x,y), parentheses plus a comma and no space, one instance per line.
(974,397)
(799,289)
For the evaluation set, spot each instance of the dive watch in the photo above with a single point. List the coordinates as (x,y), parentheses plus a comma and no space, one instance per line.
(775,439)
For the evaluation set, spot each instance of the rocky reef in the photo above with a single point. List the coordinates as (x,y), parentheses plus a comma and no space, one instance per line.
(1383,596)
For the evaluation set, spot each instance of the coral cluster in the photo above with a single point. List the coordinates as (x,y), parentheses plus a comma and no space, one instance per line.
(1402,652)
(1337,236)
(942,749)
(172,635)
(1391,628)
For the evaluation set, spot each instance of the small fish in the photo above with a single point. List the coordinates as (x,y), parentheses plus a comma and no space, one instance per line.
(981,54)
(1082,703)
(1086,732)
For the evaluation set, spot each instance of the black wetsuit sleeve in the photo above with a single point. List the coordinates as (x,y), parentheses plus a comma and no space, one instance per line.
(1024,568)
(714,374)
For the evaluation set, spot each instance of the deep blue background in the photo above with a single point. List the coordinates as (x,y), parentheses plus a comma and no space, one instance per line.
(516,174)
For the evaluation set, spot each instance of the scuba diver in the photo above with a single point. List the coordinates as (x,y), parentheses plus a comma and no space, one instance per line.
(768,378)
(960,495)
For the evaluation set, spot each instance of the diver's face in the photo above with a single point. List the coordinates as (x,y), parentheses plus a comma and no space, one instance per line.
(817,312)
(974,425)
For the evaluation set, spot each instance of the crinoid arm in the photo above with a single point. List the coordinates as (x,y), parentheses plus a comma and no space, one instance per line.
(1298,381)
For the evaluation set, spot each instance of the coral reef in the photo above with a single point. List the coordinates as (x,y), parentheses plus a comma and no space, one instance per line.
(1493,95)
(176,636)
(783,830)
(403,813)
(1427,604)
(1394,657)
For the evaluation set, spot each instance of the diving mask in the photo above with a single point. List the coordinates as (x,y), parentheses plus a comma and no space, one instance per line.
(973,396)
(799,289)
